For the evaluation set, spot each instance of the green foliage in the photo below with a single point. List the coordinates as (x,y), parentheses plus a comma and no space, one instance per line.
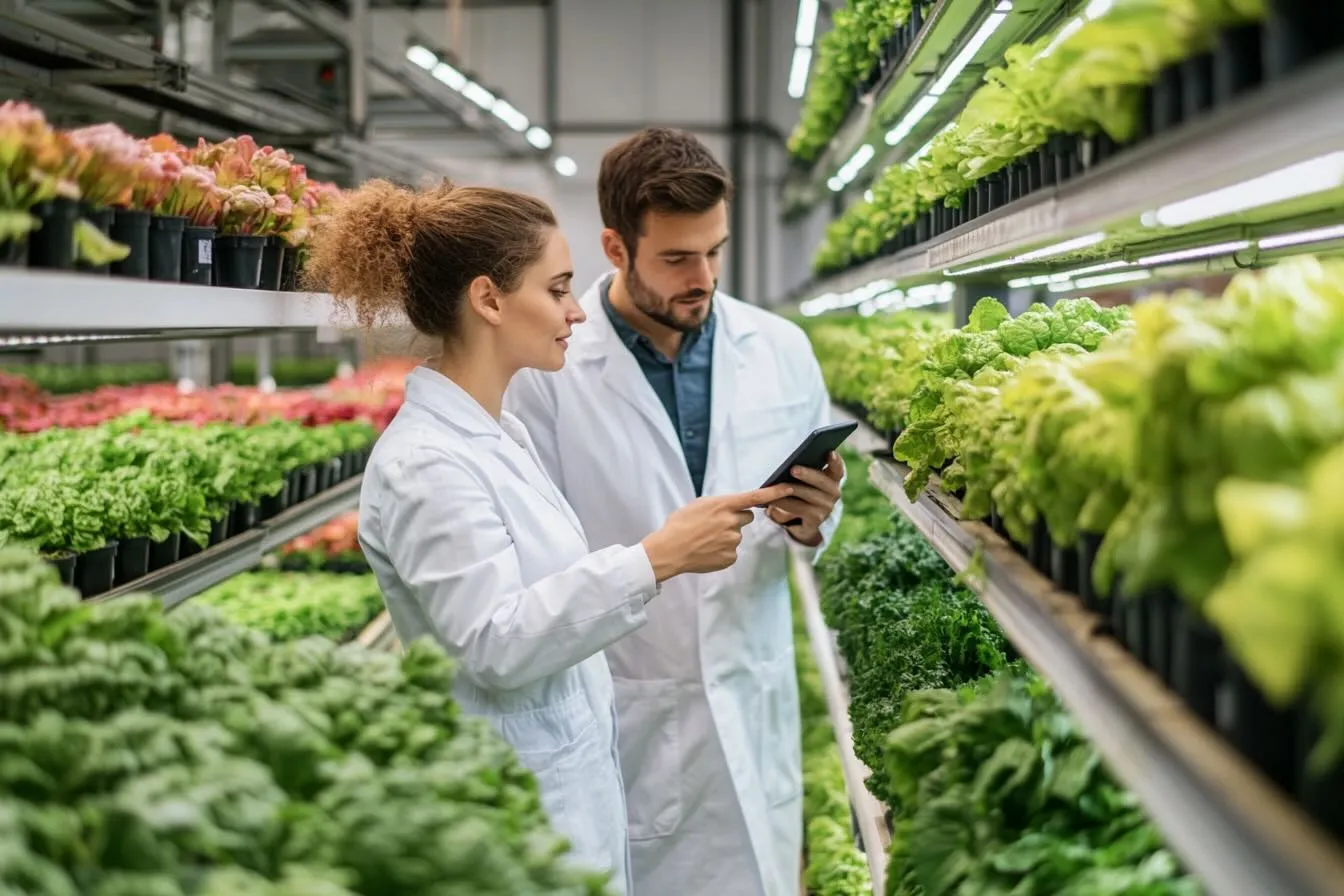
(289,605)
(1086,80)
(137,476)
(181,755)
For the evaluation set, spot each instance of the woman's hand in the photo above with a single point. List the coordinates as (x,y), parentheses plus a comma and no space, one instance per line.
(704,535)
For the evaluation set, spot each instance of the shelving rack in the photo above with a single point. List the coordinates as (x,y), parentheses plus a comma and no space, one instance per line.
(1239,162)
(189,577)
(956,40)
(1226,821)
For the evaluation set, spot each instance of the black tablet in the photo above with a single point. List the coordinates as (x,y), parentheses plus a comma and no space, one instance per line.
(813,451)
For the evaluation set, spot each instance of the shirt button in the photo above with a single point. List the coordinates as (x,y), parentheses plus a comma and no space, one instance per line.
(690,433)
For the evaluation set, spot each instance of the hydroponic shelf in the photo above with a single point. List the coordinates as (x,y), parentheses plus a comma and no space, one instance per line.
(1295,121)
(937,38)
(869,814)
(1228,823)
(37,301)
(187,578)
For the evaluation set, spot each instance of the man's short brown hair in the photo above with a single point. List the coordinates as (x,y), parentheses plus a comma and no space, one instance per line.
(659,169)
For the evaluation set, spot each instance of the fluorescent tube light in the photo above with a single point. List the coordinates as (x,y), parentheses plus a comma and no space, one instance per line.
(1019,283)
(836,184)
(1302,179)
(802,58)
(1196,252)
(506,113)
(1318,235)
(907,124)
(421,56)
(1111,279)
(1069,245)
(967,53)
(1094,268)
(565,166)
(539,137)
(446,74)
(479,95)
(806,27)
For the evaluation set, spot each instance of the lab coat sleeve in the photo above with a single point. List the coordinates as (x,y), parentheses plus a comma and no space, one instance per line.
(449,544)
(531,399)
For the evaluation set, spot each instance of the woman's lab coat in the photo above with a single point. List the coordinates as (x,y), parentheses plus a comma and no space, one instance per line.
(472,545)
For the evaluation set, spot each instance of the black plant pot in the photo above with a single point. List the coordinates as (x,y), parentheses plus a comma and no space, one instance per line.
(132,560)
(272,262)
(1237,62)
(95,570)
(165,553)
(101,218)
(238,260)
(1318,793)
(289,271)
(1159,609)
(64,561)
(1064,567)
(302,483)
(1196,663)
(274,505)
(219,529)
(244,517)
(1298,32)
(130,227)
(198,255)
(1088,545)
(1264,734)
(52,245)
(188,547)
(1038,550)
(165,247)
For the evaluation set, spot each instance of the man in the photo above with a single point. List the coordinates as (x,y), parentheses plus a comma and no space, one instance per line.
(672,391)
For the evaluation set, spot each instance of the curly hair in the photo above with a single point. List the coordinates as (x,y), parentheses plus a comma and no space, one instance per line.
(386,250)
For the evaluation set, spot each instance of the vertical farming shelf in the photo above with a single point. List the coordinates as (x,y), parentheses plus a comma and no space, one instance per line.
(1229,824)
(869,814)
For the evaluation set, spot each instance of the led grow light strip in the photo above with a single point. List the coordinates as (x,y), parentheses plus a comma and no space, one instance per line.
(850,170)
(1196,252)
(1292,182)
(1317,235)
(962,59)
(804,31)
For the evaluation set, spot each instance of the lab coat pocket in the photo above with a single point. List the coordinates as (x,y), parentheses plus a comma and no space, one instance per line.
(781,757)
(563,746)
(650,755)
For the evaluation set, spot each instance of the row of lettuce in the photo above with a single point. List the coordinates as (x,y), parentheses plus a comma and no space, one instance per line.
(991,786)
(1086,78)
(1197,444)
(180,754)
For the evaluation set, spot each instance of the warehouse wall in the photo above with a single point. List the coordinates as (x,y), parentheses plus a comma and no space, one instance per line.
(618,66)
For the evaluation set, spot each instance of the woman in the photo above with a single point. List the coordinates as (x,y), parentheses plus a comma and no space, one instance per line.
(470,541)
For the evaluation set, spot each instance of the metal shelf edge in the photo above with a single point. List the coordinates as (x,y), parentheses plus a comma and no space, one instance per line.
(187,578)
(1234,830)
(870,813)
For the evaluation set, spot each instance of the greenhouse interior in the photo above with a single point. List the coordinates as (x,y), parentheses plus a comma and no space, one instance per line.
(1062,281)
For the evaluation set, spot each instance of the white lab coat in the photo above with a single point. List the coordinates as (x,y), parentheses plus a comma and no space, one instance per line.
(706,693)
(473,546)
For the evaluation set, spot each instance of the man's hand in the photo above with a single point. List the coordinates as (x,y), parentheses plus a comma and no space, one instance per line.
(813,499)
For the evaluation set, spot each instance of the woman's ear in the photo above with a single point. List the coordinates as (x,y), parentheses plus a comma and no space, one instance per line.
(484,299)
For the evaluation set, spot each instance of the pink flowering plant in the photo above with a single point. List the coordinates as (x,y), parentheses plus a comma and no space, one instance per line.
(36,166)
(109,164)
(248,210)
(194,193)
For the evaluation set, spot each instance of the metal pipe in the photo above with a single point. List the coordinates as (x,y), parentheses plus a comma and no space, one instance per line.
(737,75)
(359,31)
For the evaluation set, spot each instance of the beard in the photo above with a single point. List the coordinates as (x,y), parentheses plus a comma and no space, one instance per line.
(669,311)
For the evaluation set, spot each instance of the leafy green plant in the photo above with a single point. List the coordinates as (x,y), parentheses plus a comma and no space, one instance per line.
(177,754)
(289,605)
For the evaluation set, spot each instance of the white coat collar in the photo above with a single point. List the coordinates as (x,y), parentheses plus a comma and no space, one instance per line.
(449,402)
(597,345)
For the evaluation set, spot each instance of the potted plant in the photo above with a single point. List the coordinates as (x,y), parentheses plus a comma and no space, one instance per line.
(108,163)
(150,237)
(196,199)
(36,187)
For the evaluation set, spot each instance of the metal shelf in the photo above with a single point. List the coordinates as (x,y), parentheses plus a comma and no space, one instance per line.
(947,26)
(1227,822)
(187,578)
(1281,124)
(36,301)
(868,812)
